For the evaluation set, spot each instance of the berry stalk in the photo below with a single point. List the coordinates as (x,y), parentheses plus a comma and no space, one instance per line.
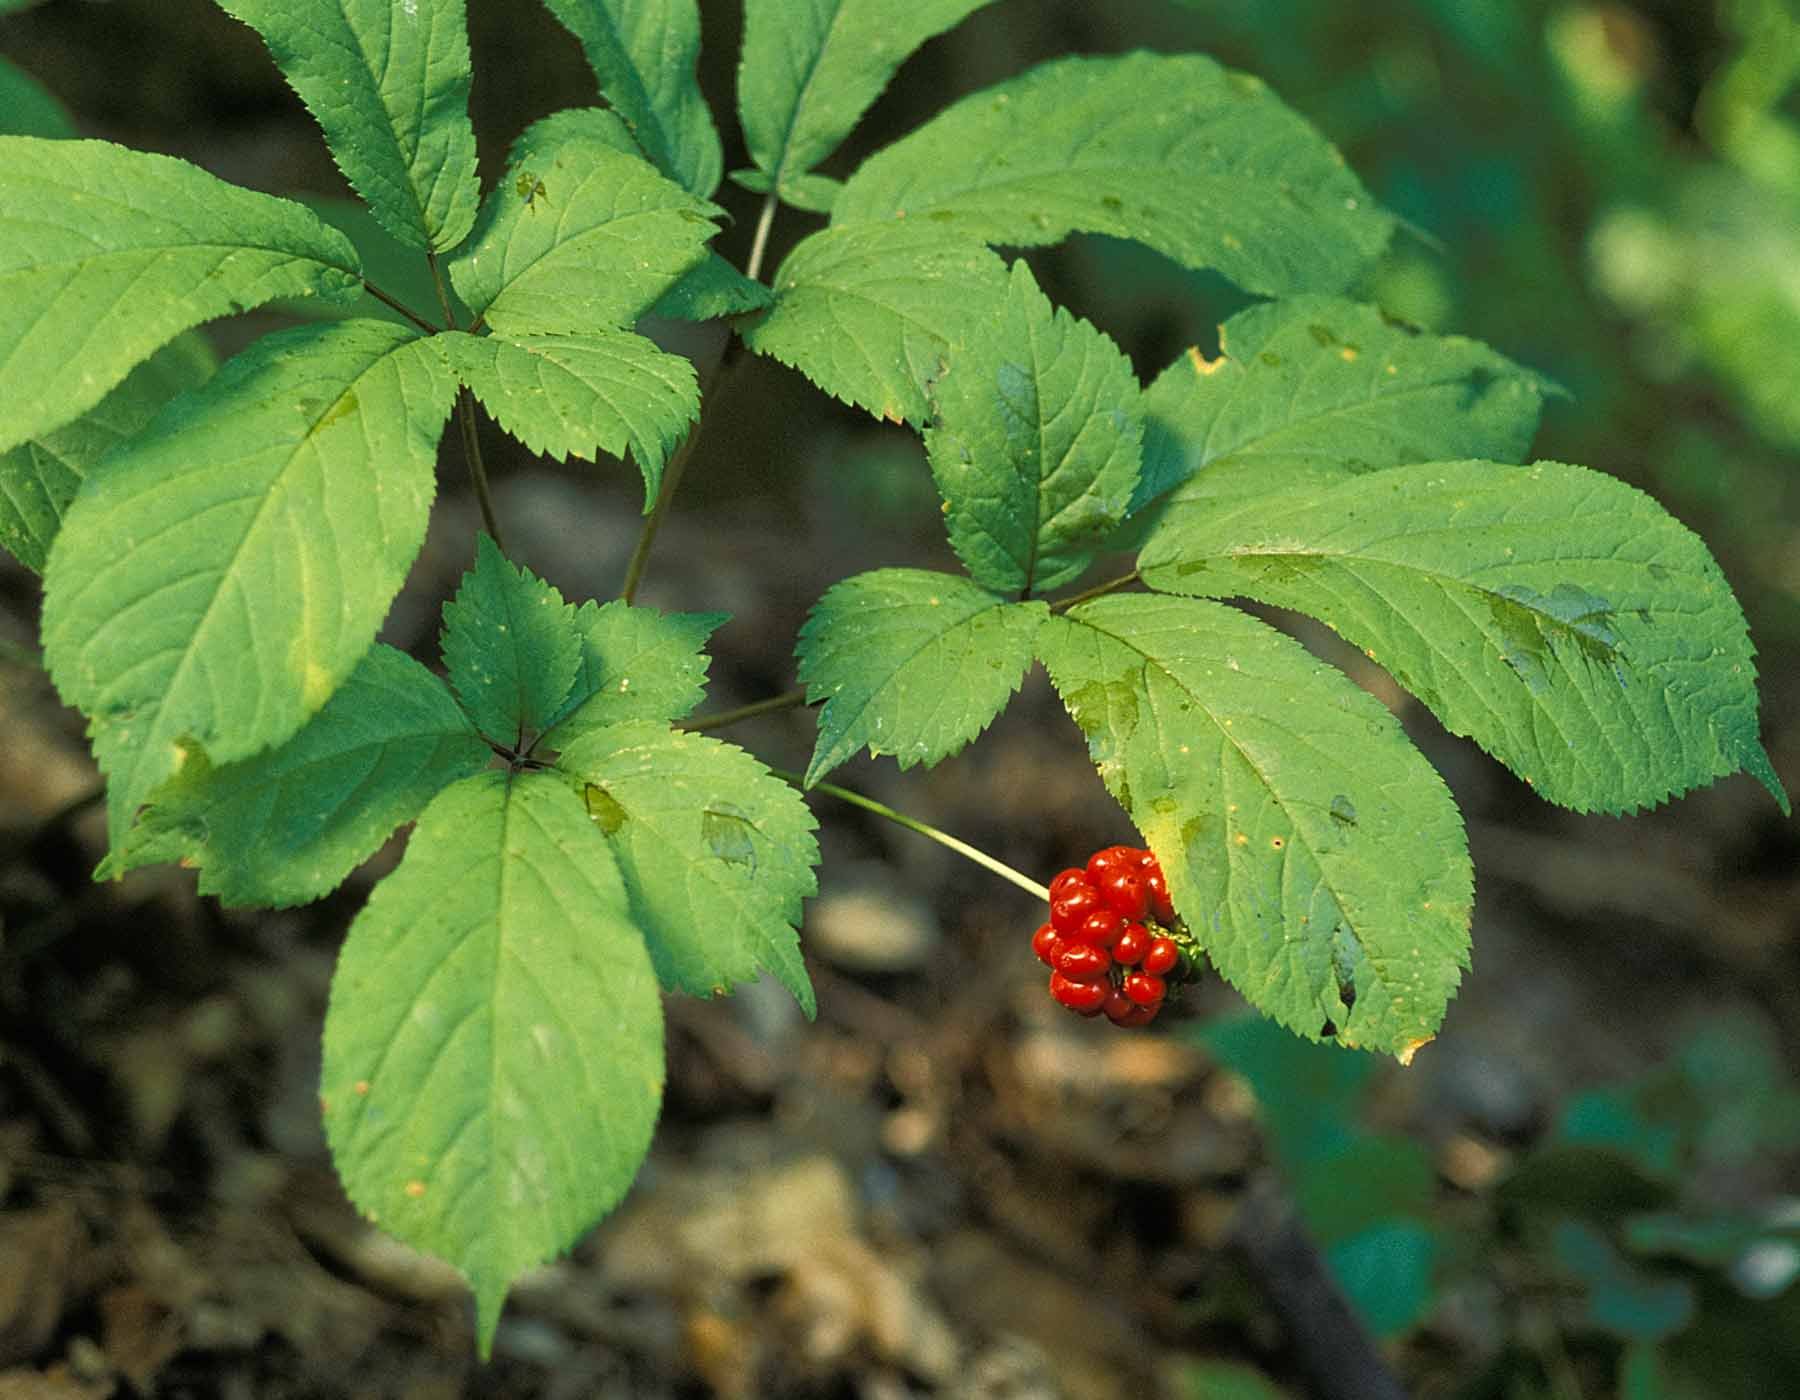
(925,829)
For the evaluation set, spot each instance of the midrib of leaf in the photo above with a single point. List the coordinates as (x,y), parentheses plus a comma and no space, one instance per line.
(363,58)
(607,229)
(1453,588)
(1256,445)
(1300,833)
(982,181)
(154,254)
(190,653)
(812,72)
(661,157)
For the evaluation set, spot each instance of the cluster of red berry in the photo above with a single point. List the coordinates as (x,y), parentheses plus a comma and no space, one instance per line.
(1107,943)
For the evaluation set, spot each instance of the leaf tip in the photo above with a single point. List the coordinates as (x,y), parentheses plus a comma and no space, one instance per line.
(1412,1047)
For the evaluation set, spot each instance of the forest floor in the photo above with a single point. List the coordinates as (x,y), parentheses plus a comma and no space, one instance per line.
(944,1185)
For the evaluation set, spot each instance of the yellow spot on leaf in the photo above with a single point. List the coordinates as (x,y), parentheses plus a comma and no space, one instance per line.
(415,1189)
(362,1086)
(1201,364)
(1347,354)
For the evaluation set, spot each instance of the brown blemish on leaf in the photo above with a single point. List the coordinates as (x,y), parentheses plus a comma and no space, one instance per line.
(1412,1047)
(362,1086)
(415,1189)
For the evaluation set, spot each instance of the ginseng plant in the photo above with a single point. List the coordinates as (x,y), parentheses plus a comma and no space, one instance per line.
(219,547)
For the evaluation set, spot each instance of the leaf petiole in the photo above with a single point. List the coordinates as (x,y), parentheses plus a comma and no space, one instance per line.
(400,306)
(787,700)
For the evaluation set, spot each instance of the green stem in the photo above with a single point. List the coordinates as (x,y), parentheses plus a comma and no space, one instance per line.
(399,306)
(677,464)
(759,242)
(787,700)
(1098,590)
(437,281)
(671,478)
(465,416)
(943,838)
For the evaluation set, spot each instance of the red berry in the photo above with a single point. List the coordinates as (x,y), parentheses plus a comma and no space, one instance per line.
(1132,945)
(1065,883)
(1046,943)
(1160,904)
(1127,892)
(1082,963)
(1144,989)
(1101,928)
(1161,956)
(1140,1016)
(1103,862)
(1084,997)
(1068,912)
(1118,1007)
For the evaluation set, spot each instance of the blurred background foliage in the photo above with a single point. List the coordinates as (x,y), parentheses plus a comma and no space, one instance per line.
(1607,192)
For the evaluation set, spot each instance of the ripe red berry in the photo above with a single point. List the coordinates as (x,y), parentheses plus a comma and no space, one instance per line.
(1084,997)
(1132,945)
(1161,956)
(1160,904)
(1046,943)
(1127,892)
(1140,1016)
(1103,862)
(1081,963)
(1144,989)
(1101,928)
(1068,912)
(1065,883)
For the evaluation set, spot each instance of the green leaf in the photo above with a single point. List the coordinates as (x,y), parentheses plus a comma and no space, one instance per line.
(579,235)
(288,825)
(223,572)
(716,852)
(644,54)
(1323,381)
(494,1044)
(636,663)
(1035,444)
(1313,851)
(106,254)
(1560,618)
(1204,165)
(581,395)
(28,108)
(814,193)
(869,314)
(511,647)
(812,67)
(910,663)
(389,84)
(712,288)
(39,478)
